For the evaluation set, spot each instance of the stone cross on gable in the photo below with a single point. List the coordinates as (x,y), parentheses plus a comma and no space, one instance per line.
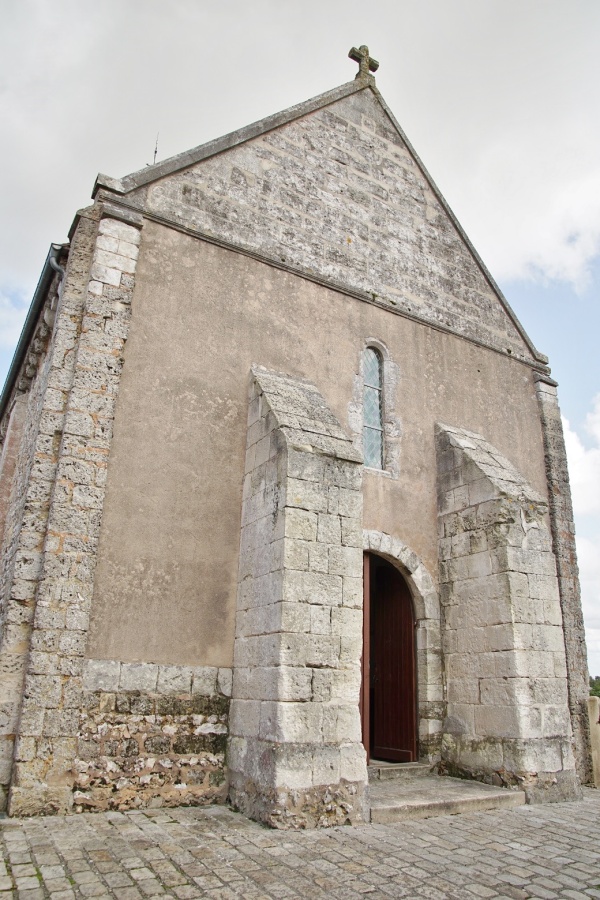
(365,62)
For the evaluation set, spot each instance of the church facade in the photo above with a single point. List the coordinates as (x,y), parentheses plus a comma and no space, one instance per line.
(283,491)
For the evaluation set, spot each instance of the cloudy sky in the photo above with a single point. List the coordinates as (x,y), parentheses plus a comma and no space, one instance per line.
(501,98)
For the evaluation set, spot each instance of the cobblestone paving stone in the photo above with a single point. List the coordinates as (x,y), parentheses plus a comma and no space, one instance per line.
(547,851)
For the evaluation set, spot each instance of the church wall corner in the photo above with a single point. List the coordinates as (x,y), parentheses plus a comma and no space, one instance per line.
(562,528)
(83,380)
(43,386)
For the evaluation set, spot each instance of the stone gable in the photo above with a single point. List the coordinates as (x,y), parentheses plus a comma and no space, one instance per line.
(339,194)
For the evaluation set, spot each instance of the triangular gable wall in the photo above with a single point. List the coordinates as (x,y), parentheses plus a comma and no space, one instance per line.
(333,189)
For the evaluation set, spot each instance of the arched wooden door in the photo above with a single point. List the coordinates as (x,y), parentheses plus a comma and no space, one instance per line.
(389,700)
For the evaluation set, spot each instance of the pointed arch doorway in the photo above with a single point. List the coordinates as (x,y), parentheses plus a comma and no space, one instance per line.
(389,683)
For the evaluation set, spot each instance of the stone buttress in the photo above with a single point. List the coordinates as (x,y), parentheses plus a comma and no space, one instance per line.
(508,716)
(295,754)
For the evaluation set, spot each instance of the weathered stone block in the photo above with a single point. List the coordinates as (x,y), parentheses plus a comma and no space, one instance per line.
(301,524)
(305,466)
(309,650)
(349,502)
(291,722)
(204,679)
(102,675)
(352,591)
(119,230)
(329,529)
(312,587)
(318,558)
(244,718)
(128,249)
(327,767)
(346,561)
(306,495)
(320,619)
(105,274)
(341,724)
(295,554)
(347,621)
(138,677)
(174,679)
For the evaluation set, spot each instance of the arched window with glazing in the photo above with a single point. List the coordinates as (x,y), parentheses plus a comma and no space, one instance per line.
(373,448)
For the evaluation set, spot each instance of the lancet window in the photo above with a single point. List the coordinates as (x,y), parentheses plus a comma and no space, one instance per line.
(373,409)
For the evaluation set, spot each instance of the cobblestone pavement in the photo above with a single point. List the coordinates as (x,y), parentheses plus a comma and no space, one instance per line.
(532,851)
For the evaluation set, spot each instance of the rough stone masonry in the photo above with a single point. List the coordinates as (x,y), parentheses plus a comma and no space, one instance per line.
(508,713)
(295,755)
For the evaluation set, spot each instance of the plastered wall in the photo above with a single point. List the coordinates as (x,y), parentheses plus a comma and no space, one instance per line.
(201,316)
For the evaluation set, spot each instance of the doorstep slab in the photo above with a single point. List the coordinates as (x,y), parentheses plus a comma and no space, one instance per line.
(394,800)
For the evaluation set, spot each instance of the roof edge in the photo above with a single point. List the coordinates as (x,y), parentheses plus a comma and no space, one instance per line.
(203,151)
(537,355)
(37,304)
(535,364)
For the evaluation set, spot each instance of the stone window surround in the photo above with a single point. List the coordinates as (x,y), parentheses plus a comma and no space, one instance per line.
(430,680)
(392,429)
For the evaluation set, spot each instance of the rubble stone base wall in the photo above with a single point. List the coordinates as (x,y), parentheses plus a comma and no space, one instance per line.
(151,736)
(508,717)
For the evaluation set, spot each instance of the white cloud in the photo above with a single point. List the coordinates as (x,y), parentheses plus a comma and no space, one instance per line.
(13,308)
(584,473)
(584,464)
(588,552)
(556,234)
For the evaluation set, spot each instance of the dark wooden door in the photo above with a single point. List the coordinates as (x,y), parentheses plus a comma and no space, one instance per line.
(393,717)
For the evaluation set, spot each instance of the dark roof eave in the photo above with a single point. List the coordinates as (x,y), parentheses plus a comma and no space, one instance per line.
(29,326)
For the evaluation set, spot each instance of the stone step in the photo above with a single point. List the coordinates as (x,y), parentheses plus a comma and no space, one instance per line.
(382,770)
(420,798)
